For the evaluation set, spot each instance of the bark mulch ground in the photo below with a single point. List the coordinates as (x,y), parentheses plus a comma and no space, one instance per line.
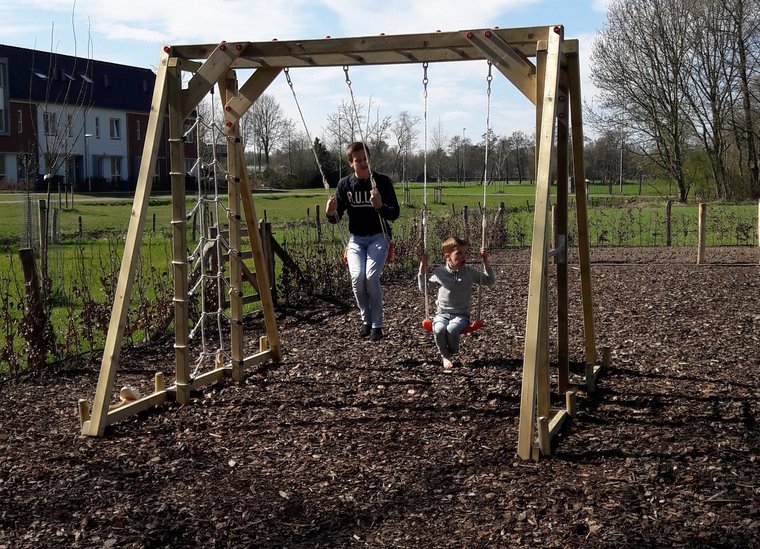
(349,443)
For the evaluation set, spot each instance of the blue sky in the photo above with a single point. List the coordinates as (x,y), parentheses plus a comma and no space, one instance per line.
(134,31)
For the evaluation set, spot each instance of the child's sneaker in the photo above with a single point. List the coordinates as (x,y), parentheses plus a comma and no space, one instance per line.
(365,330)
(377,334)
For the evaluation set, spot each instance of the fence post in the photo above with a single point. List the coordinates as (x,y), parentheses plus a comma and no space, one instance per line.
(80,228)
(154,223)
(555,226)
(43,236)
(669,222)
(38,352)
(265,229)
(465,221)
(55,226)
(701,233)
(318,223)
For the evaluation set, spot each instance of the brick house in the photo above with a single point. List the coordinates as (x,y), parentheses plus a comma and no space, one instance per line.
(81,121)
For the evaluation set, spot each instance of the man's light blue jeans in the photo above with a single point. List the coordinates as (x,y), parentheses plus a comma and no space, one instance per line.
(366,258)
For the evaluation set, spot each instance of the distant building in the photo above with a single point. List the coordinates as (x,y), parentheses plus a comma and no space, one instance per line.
(82,120)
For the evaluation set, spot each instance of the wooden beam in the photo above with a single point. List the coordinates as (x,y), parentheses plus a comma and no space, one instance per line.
(512,64)
(536,288)
(563,362)
(581,207)
(228,88)
(112,348)
(217,64)
(368,50)
(238,105)
(179,235)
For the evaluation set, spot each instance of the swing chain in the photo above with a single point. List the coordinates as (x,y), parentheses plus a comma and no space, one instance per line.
(425,77)
(348,80)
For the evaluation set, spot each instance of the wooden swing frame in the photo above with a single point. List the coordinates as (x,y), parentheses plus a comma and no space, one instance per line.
(552,84)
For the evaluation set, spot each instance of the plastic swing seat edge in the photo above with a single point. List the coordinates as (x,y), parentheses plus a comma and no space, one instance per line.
(427,325)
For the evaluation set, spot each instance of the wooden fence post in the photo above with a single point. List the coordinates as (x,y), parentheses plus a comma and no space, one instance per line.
(318,223)
(80,228)
(465,221)
(701,233)
(669,222)
(265,229)
(35,316)
(55,226)
(43,236)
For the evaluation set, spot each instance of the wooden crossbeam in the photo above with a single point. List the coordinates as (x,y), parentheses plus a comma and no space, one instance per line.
(217,63)
(369,50)
(516,67)
(238,105)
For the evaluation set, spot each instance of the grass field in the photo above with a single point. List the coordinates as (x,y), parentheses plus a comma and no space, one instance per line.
(84,260)
(110,213)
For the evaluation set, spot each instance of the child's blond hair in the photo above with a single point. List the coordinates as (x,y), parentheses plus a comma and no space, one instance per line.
(451,243)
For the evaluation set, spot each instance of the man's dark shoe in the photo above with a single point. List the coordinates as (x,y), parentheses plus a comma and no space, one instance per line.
(377,334)
(364,331)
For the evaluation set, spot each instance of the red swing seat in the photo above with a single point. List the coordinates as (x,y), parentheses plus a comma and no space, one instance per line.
(475,325)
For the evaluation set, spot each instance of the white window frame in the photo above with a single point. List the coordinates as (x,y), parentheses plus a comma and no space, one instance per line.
(50,122)
(115,162)
(114,127)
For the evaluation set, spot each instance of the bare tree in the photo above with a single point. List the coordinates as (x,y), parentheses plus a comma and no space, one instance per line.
(437,150)
(269,125)
(67,100)
(745,16)
(404,131)
(711,79)
(640,64)
(522,153)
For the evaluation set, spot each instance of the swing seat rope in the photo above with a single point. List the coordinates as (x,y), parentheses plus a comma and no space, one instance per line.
(475,325)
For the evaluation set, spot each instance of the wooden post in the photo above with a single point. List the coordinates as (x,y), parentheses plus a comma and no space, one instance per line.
(37,356)
(43,222)
(265,228)
(55,225)
(701,233)
(669,222)
(180,265)
(465,221)
(544,442)
(560,244)
(318,223)
(570,405)
(80,228)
